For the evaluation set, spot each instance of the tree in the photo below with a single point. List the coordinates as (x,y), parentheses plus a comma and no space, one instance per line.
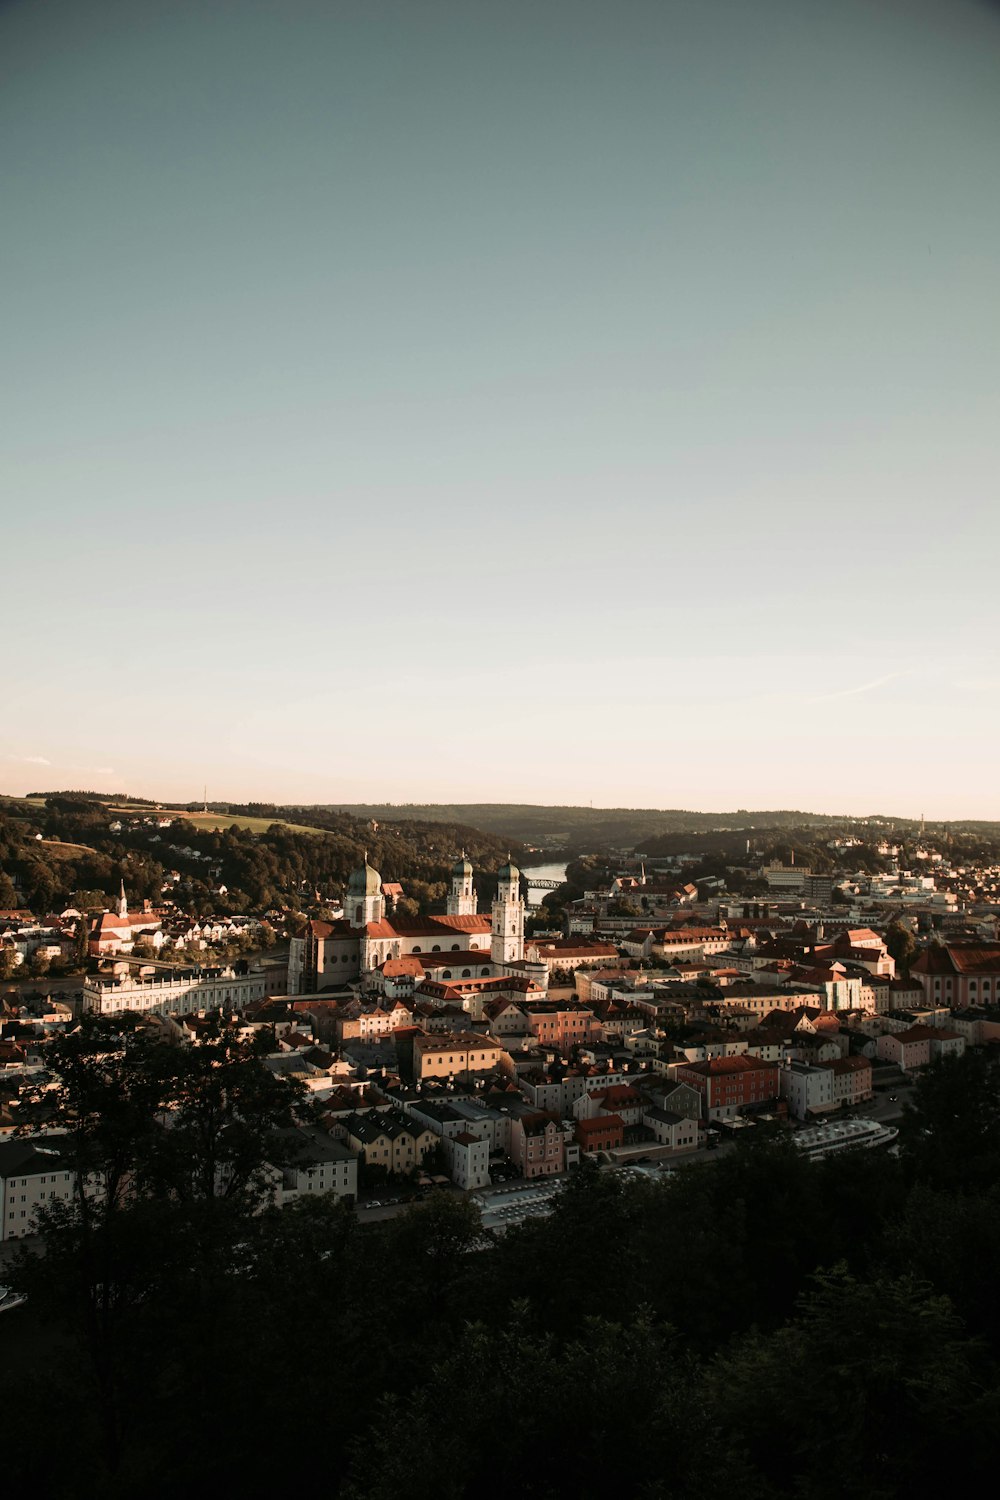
(894,1369)
(623,909)
(143,1252)
(901,944)
(950,1132)
(8,895)
(89,900)
(39,964)
(228,1113)
(8,962)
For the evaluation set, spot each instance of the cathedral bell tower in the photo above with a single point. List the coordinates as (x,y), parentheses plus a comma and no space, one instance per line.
(463,901)
(507,940)
(364,901)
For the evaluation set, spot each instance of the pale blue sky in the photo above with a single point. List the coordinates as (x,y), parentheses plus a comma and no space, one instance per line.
(537,401)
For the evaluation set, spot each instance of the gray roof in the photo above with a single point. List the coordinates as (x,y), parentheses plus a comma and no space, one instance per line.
(31,1158)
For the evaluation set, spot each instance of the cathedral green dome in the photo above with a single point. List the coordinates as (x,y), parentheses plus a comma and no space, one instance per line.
(365,882)
(461,866)
(509,871)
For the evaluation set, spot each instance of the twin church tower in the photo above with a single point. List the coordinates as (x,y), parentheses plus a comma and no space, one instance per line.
(507,926)
(364,910)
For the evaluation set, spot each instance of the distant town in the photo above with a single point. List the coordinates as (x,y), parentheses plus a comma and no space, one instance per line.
(540,1155)
(630,1008)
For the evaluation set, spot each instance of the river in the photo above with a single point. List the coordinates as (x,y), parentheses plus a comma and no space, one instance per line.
(536,894)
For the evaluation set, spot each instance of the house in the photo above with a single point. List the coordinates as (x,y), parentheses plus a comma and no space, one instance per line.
(389,1138)
(33,1173)
(561,1025)
(852,1079)
(455,1054)
(617,1099)
(602,1133)
(946,1043)
(537,1144)
(468,1158)
(909,1049)
(679,1132)
(556,954)
(808,1088)
(319,1164)
(729,1085)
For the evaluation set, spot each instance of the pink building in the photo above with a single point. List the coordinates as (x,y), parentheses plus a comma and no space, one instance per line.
(852,1079)
(537,1144)
(562,1026)
(908,1049)
(959,974)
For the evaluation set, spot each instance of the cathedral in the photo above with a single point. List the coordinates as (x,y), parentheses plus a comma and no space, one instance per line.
(460,943)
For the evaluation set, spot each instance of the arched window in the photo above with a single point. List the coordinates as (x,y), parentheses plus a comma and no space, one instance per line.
(436,948)
(466,973)
(445,973)
(456,947)
(417,948)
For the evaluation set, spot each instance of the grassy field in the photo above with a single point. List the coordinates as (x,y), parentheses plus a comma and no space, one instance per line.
(256,825)
(210,820)
(60,850)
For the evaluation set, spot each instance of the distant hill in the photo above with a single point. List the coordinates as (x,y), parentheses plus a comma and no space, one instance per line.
(584,828)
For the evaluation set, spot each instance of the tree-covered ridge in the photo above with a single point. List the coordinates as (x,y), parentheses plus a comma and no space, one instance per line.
(578,829)
(763,1325)
(49,853)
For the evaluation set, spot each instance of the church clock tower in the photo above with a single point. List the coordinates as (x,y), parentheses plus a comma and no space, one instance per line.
(463,901)
(507,940)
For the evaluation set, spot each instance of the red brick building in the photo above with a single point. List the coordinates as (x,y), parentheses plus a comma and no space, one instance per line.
(602,1133)
(729,1085)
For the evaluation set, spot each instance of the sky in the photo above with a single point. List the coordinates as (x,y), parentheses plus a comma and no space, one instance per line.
(594,400)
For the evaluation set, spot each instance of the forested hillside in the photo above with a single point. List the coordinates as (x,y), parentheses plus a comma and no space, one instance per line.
(578,829)
(73,845)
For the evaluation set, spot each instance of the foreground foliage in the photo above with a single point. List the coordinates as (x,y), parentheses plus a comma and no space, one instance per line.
(761,1326)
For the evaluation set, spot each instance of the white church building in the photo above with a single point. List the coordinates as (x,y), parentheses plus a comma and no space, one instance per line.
(329,954)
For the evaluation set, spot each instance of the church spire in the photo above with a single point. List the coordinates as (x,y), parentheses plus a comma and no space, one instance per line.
(122,902)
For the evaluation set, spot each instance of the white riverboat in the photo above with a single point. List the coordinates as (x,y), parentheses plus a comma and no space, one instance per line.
(839,1135)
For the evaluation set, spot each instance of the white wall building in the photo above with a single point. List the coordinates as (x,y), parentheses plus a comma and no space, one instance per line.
(32,1174)
(807,1089)
(174,992)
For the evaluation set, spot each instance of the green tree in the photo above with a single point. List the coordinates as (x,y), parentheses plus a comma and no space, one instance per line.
(902,945)
(889,1368)
(228,1115)
(950,1132)
(89,900)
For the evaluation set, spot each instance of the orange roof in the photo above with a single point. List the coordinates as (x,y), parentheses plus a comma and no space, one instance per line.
(396,968)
